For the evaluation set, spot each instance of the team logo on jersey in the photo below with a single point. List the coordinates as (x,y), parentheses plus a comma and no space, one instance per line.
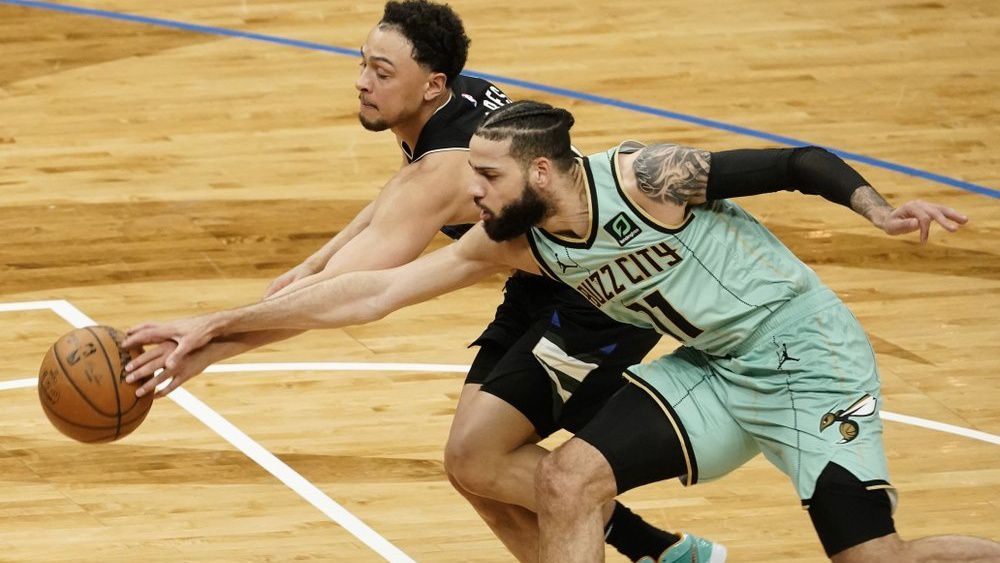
(622,229)
(865,406)
(568,264)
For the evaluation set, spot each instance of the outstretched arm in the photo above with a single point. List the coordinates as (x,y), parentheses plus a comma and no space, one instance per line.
(677,175)
(350,299)
(392,230)
(317,260)
(409,211)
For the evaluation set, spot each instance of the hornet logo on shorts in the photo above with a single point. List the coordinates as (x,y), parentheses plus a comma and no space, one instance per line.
(865,406)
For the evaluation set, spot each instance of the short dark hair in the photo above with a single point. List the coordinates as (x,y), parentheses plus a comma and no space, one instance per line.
(436,32)
(535,129)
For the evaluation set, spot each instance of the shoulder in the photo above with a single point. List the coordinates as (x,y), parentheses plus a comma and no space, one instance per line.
(434,165)
(672,173)
(432,186)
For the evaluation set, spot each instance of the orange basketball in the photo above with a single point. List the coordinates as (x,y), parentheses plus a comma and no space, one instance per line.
(81,385)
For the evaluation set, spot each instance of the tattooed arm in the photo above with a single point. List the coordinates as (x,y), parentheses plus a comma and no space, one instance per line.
(672,173)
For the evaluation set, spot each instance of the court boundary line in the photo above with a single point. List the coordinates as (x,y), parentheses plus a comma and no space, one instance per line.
(72,312)
(353,366)
(238,439)
(537,86)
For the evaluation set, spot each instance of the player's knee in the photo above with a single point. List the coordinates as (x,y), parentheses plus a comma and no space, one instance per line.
(469,466)
(565,480)
(554,485)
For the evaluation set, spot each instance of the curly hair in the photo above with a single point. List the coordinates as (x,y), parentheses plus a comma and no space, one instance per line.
(535,129)
(436,32)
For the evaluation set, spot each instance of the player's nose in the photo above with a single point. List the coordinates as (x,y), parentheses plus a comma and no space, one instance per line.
(476,188)
(362,84)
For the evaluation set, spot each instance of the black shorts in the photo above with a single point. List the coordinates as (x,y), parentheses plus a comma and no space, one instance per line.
(583,350)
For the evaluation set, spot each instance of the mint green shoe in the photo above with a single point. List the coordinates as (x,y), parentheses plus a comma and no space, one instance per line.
(691,549)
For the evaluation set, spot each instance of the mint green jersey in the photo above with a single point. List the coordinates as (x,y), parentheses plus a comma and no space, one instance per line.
(708,282)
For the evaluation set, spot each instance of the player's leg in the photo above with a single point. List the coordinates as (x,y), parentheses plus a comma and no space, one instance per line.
(584,355)
(933,549)
(855,525)
(585,352)
(491,450)
(822,428)
(668,424)
(572,486)
(518,393)
(515,526)
(808,390)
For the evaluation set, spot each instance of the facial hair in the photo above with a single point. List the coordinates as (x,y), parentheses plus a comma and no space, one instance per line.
(375,125)
(517,218)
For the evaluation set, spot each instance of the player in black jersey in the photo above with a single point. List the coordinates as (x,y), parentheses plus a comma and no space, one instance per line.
(549,360)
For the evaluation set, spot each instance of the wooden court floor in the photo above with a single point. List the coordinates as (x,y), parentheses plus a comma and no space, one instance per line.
(150,170)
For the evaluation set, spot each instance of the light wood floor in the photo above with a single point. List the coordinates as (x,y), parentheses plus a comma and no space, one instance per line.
(148,173)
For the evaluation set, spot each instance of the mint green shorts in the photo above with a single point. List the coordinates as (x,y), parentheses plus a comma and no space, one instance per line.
(803,390)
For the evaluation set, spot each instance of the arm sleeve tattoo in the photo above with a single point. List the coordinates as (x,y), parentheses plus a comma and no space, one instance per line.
(865,201)
(672,173)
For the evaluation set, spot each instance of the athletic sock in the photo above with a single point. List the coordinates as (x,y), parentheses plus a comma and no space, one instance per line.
(633,537)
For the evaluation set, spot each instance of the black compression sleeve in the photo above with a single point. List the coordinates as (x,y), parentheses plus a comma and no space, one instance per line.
(810,170)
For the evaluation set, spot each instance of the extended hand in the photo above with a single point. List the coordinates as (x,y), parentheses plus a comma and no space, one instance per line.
(147,363)
(917,214)
(189,334)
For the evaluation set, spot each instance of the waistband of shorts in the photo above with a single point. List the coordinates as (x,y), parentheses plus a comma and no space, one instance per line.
(790,311)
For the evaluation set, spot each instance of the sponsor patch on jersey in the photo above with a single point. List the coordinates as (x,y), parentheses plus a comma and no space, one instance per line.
(622,228)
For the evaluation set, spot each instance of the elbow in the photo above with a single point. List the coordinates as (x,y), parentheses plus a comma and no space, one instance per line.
(374,308)
(803,156)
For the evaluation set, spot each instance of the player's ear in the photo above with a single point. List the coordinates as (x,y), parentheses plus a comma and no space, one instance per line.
(540,171)
(437,83)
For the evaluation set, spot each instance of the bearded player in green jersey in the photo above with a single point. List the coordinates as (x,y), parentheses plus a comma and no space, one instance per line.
(772,361)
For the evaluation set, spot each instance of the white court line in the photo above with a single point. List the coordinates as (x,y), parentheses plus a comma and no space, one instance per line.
(29,305)
(237,438)
(335,366)
(357,366)
(298,483)
(941,427)
(18,383)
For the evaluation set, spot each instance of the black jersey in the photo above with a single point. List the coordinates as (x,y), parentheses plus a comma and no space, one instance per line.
(452,125)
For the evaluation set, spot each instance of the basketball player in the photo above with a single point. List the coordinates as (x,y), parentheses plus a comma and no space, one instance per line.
(410,84)
(772,360)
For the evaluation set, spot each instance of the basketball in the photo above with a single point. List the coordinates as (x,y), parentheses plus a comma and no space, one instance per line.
(81,385)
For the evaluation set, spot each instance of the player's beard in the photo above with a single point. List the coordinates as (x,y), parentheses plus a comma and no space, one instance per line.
(516,218)
(376,125)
